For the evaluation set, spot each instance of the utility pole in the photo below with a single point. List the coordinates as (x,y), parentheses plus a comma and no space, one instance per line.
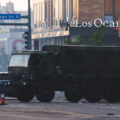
(29,25)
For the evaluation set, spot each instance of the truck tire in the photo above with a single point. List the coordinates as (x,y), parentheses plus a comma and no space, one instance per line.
(93,95)
(93,99)
(45,94)
(73,95)
(112,95)
(25,94)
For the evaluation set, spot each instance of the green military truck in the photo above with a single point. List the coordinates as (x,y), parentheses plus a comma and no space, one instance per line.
(80,71)
(90,72)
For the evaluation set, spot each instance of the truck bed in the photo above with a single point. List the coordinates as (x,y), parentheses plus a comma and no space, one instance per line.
(88,61)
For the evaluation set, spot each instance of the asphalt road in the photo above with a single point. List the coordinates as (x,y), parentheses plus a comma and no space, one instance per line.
(59,109)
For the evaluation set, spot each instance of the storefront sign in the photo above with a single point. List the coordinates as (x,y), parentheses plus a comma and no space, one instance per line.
(98,22)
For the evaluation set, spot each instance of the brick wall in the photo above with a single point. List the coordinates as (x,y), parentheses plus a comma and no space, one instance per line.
(88,10)
(112,8)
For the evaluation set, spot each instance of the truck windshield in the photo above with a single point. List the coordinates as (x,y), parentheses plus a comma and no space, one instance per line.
(19,61)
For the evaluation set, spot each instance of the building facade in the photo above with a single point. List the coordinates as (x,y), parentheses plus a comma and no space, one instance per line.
(69,10)
(89,10)
(112,8)
(43,13)
(53,18)
(49,13)
(59,11)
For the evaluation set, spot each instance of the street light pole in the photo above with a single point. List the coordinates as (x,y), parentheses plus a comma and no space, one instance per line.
(29,25)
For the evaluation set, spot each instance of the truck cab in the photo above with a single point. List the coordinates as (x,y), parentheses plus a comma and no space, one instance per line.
(28,66)
(28,71)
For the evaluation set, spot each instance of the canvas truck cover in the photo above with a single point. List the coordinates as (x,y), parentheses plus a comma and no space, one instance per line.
(88,61)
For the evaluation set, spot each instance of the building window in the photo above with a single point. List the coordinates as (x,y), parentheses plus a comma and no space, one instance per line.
(117,9)
(112,8)
(108,7)
(35,16)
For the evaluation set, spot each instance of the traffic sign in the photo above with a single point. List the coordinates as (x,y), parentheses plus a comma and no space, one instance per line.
(10,16)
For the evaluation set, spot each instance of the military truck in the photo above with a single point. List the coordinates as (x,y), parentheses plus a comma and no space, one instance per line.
(31,73)
(80,71)
(89,72)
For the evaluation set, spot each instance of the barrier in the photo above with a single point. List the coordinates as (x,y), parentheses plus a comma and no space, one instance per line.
(2,98)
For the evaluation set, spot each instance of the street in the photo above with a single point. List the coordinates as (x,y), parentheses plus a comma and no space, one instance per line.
(59,109)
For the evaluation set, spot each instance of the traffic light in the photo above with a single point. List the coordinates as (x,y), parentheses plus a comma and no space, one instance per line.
(119,27)
(26,40)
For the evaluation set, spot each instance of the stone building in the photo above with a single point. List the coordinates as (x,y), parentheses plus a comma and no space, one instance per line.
(54,18)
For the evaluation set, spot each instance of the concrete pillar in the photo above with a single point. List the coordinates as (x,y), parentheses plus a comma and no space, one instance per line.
(64,10)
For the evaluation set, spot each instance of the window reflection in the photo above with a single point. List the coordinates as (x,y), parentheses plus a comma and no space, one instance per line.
(19,60)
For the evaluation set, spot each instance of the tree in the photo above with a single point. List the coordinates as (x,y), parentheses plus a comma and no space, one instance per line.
(68,41)
(97,39)
(79,41)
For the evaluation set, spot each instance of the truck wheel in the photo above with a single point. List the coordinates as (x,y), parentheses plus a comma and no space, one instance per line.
(45,94)
(25,94)
(73,95)
(93,99)
(93,95)
(112,95)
